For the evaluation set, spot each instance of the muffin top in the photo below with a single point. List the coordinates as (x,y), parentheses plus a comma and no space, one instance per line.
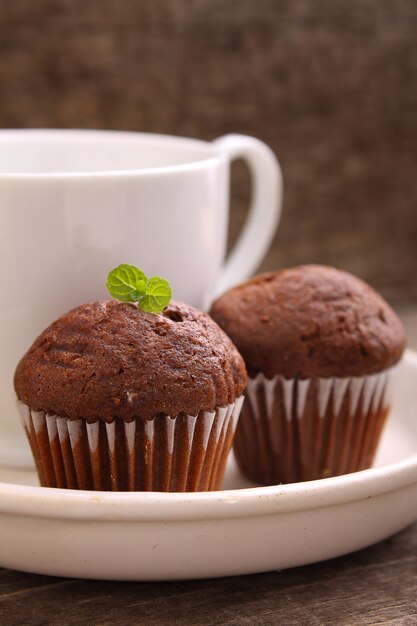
(109,359)
(310,321)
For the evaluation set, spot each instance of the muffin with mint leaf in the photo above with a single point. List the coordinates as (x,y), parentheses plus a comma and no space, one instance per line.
(319,345)
(132,394)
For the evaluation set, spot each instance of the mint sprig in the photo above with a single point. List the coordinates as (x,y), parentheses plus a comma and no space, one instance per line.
(157,296)
(129,284)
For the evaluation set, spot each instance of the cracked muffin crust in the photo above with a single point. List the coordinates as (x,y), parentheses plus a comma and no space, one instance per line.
(310,321)
(109,359)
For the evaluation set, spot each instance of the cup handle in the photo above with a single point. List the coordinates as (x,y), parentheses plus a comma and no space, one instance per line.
(264,212)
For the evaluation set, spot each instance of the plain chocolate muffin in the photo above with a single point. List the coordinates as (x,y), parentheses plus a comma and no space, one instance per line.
(310,321)
(318,344)
(150,399)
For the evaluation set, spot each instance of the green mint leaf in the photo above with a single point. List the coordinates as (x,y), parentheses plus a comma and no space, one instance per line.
(129,284)
(126,283)
(157,296)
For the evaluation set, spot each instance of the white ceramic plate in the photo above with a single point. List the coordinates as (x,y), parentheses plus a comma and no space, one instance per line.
(155,536)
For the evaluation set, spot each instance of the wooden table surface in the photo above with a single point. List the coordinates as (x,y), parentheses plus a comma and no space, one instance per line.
(374,586)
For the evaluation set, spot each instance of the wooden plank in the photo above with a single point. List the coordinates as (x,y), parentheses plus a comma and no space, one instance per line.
(374,586)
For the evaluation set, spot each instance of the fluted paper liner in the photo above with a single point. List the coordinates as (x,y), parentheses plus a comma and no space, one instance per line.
(183,453)
(295,430)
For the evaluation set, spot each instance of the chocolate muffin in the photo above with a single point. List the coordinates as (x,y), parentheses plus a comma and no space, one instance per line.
(319,345)
(113,398)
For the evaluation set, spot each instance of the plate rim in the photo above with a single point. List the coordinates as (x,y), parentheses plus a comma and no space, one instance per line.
(71,504)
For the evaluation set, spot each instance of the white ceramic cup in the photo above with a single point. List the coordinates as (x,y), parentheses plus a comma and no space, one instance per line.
(75,204)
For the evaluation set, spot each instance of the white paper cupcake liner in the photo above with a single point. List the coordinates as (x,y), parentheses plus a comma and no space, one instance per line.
(294,430)
(182,453)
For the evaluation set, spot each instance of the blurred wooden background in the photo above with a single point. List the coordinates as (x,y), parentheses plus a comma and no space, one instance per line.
(331,86)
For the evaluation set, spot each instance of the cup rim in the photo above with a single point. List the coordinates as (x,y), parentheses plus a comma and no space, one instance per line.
(214,154)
